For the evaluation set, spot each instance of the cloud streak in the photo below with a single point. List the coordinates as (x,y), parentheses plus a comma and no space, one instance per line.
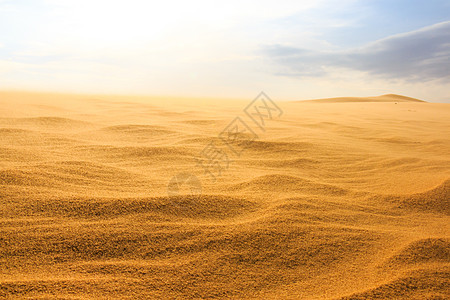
(420,55)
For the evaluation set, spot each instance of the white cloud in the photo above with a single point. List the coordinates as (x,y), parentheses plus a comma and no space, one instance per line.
(419,55)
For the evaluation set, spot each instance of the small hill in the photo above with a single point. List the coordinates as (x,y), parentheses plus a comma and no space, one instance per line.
(382,98)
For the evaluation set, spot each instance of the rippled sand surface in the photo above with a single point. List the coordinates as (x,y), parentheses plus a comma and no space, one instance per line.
(343,198)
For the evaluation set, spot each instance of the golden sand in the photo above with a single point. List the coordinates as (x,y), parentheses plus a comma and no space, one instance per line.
(344,198)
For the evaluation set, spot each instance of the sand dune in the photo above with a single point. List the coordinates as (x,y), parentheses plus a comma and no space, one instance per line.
(344,198)
(435,200)
(383,98)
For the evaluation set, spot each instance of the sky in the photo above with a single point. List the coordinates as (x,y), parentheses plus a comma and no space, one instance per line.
(292,50)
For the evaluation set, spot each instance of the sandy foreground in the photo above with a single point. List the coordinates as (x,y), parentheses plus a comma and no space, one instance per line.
(132,197)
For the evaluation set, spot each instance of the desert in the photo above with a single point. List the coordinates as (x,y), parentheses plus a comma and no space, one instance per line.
(344,198)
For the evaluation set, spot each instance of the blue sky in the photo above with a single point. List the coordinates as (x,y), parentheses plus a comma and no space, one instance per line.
(382,18)
(290,49)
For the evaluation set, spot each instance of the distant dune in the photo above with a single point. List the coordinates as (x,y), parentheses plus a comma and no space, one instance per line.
(344,200)
(383,98)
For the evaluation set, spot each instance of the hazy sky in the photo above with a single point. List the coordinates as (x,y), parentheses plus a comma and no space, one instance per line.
(290,49)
